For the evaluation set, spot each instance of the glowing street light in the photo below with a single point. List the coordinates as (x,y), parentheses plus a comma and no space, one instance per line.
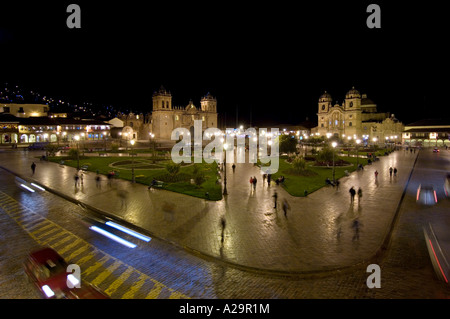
(334,144)
(357,157)
(225,146)
(132,161)
(77,138)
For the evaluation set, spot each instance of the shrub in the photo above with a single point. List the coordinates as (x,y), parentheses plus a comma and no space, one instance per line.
(325,155)
(73,153)
(299,164)
(173,168)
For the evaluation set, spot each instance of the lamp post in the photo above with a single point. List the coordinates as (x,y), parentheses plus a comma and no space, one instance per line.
(357,157)
(152,138)
(77,138)
(225,146)
(132,161)
(334,144)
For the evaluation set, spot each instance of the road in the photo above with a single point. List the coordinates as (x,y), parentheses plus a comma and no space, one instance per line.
(158,269)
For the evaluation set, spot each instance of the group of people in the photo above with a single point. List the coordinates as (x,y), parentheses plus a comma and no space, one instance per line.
(253,181)
(353,192)
(78,177)
(392,170)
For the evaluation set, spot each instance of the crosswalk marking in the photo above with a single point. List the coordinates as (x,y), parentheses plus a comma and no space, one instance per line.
(115,285)
(135,287)
(154,293)
(108,271)
(78,251)
(46,232)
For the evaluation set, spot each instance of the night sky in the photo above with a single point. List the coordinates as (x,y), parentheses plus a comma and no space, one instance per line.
(271,58)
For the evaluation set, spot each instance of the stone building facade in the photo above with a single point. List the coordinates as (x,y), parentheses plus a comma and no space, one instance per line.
(356,118)
(165,117)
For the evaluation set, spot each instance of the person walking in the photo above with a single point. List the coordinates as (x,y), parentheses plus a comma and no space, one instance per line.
(81,177)
(98,181)
(251,181)
(254,182)
(33,167)
(352,194)
(376,174)
(285,207)
(223,225)
(233,167)
(76,178)
(275,196)
(395,171)
(390,171)
(268,179)
(359,195)
(355,226)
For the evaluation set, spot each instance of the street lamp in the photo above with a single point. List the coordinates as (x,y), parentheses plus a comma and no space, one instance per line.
(357,157)
(132,161)
(152,136)
(225,146)
(77,138)
(334,144)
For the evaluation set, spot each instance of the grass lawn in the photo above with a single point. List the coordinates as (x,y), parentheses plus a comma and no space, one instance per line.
(296,185)
(145,170)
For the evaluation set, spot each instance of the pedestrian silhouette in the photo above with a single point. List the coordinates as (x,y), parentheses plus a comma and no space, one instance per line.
(33,167)
(390,171)
(352,194)
(359,195)
(355,226)
(285,207)
(222,224)
(98,181)
(254,182)
(233,167)
(395,171)
(76,178)
(275,196)
(376,174)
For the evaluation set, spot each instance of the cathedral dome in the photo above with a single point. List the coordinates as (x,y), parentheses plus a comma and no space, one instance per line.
(353,93)
(325,97)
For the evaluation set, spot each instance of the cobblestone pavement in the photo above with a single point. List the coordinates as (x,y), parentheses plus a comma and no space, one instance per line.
(317,234)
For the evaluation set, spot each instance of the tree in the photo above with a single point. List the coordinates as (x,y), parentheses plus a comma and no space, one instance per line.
(51,149)
(325,155)
(287,143)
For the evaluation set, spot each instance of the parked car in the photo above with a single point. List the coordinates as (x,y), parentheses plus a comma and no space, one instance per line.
(48,271)
(426,195)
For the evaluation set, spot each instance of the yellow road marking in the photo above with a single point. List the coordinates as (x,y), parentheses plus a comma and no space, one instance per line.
(44,224)
(108,271)
(135,287)
(95,266)
(124,276)
(156,290)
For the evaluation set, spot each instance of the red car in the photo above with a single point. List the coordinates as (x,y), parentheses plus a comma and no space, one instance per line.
(48,271)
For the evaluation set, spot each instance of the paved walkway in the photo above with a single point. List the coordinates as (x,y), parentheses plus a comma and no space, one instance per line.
(318,233)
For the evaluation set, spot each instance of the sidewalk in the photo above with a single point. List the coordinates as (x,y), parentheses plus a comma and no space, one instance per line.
(318,234)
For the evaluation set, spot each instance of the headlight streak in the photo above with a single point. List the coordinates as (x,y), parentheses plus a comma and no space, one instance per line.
(128,231)
(112,236)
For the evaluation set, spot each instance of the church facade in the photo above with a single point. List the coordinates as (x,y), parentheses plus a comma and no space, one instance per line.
(165,117)
(356,118)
